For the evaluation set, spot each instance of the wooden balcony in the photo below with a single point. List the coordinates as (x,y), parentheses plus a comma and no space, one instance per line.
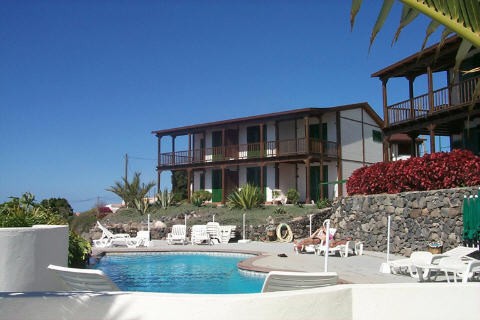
(438,101)
(272,150)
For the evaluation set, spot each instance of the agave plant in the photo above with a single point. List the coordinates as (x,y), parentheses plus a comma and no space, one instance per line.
(247,197)
(164,199)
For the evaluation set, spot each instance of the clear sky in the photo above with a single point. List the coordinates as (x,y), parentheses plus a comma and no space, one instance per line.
(82,83)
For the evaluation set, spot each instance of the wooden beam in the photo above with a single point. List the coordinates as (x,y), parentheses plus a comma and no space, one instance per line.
(339,153)
(307,181)
(385,104)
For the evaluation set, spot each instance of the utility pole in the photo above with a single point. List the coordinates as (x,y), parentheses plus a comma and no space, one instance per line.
(126,166)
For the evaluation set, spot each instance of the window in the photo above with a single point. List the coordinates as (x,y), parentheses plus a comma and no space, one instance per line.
(377,136)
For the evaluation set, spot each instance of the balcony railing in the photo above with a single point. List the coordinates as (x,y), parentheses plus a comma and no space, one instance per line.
(271,149)
(443,99)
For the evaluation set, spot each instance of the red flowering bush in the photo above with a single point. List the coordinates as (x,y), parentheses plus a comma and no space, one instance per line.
(441,170)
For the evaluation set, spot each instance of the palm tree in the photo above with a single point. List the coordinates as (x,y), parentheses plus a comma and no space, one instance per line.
(456,16)
(130,192)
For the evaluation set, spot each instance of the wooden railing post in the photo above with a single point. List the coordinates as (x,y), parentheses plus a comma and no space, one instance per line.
(411,96)
(431,102)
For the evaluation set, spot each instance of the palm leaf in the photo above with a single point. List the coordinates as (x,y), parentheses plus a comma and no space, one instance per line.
(382,17)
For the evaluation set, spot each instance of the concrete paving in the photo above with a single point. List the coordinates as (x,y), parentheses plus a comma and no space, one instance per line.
(353,269)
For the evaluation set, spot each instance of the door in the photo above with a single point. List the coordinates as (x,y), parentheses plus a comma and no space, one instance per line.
(253,141)
(216,185)
(315,183)
(217,143)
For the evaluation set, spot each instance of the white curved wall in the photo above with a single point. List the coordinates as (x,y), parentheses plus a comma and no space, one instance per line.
(342,302)
(26,253)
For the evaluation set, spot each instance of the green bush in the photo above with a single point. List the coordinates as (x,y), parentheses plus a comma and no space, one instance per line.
(279,211)
(78,250)
(323,203)
(248,197)
(199,197)
(293,196)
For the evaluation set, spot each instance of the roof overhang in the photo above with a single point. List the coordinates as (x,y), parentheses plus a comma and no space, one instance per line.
(438,59)
(277,116)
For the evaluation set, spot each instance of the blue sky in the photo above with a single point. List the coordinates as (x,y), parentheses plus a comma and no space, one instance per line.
(83,83)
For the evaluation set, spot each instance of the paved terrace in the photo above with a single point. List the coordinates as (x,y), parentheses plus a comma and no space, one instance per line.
(353,269)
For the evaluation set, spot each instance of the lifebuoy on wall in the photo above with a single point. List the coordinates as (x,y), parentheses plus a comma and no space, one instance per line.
(284,236)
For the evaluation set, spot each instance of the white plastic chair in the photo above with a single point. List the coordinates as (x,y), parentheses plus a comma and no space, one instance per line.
(108,238)
(141,240)
(84,279)
(178,234)
(409,264)
(199,235)
(285,281)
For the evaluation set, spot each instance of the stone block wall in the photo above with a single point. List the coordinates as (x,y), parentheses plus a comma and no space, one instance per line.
(417,218)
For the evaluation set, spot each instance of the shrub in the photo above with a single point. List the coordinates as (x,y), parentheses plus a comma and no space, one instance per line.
(323,203)
(441,170)
(248,197)
(293,196)
(164,199)
(199,197)
(279,211)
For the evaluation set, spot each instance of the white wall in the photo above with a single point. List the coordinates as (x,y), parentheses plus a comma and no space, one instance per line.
(286,177)
(25,255)
(356,302)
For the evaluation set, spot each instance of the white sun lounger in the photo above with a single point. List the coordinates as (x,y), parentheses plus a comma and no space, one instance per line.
(109,239)
(178,234)
(84,279)
(408,264)
(199,235)
(285,281)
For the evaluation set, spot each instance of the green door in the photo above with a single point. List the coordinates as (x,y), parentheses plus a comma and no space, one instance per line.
(216,185)
(253,178)
(253,141)
(315,183)
(217,142)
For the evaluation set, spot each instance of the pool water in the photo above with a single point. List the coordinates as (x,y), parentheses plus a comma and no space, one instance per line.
(179,273)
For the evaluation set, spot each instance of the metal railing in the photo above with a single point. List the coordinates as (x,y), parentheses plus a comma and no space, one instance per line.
(270,149)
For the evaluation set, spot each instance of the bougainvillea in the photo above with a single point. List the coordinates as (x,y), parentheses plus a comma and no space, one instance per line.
(441,170)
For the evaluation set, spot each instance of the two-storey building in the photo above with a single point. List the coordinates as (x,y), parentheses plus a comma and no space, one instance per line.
(312,150)
(451,110)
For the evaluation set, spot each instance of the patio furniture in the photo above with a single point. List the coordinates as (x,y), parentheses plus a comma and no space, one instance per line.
(178,234)
(286,281)
(83,279)
(109,239)
(199,235)
(141,240)
(408,264)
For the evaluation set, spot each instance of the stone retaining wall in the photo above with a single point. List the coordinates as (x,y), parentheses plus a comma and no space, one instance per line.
(417,218)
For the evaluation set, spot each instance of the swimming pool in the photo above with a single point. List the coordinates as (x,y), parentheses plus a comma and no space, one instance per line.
(180,273)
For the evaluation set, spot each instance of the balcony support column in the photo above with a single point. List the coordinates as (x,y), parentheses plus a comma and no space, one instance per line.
(307,181)
(322,152)
(189,148)
(387,154)
(339,153)
(431,130)
(223,185)
(385,103)
(262,142)
(306,122)
(413,137)
(431,103)
(262,183)
(173,149)
(189,182)
(159,160)
(411,97)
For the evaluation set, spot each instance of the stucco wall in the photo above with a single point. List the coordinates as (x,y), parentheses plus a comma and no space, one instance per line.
(26,253)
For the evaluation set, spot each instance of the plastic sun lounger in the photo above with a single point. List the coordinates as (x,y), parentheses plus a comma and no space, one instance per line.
(409,264)
(108,238)
(285,281)
(84,279)
(200,235)
(178,234)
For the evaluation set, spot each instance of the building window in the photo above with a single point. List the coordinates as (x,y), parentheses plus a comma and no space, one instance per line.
(377,136)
